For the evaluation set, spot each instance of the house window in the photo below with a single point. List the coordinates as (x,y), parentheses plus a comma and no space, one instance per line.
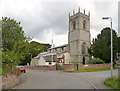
(55,50)
(74,25)
(62,48)
(84,24)
(84,48)
(50,63)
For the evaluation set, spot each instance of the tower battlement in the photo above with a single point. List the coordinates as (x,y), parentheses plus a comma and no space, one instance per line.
(79,12)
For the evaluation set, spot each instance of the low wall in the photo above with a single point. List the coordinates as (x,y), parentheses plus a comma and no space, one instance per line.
(9,81)
(94,66)
(68,67)
(47,68)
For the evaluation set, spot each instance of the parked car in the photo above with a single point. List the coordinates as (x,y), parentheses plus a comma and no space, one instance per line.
(21,68)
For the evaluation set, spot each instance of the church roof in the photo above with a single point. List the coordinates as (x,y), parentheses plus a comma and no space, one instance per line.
(59,46)
(44,54)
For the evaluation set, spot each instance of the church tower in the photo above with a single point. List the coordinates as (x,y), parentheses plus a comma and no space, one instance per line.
(79,37)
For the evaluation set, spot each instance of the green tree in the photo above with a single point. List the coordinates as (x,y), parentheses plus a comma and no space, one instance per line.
(13,43)
(102,44)
(34,48)
(118,44)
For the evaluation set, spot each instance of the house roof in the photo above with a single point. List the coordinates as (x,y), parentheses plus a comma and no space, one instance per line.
(45,55)
(49,54)
(49,58)
(59,46)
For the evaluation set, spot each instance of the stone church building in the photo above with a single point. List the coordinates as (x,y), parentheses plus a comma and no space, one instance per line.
(76,51)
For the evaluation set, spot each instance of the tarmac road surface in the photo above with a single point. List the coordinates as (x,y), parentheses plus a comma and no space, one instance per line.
(36,79)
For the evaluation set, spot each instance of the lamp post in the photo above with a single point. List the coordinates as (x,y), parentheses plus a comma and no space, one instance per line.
(111,44)
(31,57)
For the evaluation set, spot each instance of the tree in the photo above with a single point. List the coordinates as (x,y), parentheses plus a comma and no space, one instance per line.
(118,44)
(34,48)
(102,44)
(13,43)
(16,46)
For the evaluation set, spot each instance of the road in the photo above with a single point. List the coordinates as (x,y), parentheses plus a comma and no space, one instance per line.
(35,79)
(96,78)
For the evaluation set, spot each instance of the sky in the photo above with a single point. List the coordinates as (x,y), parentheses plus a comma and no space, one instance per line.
(42,19)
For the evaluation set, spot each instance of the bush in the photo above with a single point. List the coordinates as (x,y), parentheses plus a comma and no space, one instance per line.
(75,66)
(113,83)
(97,61)
(8,69)
(60,67)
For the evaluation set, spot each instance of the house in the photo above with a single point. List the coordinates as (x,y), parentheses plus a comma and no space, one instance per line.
(44,59)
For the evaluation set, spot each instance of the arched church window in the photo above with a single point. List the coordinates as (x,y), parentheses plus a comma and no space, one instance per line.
(74,25)
(84,48)
(84,24)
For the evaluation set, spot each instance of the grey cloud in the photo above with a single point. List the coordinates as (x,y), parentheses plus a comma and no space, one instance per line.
(104,9)
(39,17)
(54,16)
(119,18)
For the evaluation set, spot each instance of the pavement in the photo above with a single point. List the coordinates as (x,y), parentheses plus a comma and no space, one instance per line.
(35,79)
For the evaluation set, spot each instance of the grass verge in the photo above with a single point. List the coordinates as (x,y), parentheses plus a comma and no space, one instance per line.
(90,70)
(112,83)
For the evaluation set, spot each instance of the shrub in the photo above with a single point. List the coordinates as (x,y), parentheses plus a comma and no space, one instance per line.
(75,66)
(60,67)
(113,83)
(97,61)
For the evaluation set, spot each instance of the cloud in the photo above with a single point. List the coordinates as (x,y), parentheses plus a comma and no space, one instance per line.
(41,19)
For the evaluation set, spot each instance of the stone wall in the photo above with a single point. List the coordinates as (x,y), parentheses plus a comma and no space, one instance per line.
(9,81)
(48,68)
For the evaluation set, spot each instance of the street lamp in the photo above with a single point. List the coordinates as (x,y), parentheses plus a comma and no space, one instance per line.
(31,56)
(111,44)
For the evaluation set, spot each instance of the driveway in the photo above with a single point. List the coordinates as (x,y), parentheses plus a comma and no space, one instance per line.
(35,79)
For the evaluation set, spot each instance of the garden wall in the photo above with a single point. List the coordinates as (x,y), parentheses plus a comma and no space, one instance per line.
(68,67)
(94,66)
(49,68)
(9,81)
